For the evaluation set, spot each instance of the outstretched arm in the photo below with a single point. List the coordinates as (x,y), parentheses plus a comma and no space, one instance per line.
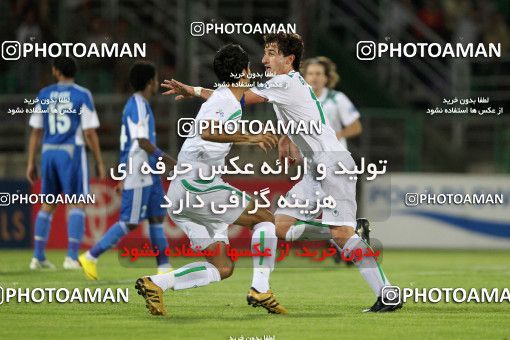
(184,91)
(252,98)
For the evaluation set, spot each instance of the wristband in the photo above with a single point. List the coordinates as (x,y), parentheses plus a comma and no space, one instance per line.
(197,90)
(158,153)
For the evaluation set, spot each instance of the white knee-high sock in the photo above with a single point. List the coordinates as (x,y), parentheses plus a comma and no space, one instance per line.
(308,231)
(263,233)
(367,266)
(192,275)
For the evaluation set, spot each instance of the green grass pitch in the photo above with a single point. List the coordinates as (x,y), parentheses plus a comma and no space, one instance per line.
(324,303)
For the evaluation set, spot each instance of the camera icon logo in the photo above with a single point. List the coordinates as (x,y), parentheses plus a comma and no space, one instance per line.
(11,50)
(390,295)
(197,29)
(186,127)
(366,50)
(411,199)
(5,199)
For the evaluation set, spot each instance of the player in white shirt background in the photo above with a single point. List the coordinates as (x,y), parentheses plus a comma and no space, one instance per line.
(294,100)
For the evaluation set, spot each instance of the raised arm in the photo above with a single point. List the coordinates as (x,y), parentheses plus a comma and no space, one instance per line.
(184,91)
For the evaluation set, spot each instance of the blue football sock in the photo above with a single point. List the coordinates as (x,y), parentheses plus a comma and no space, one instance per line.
(110,239)
(42,230)
(158,239)
(75,231)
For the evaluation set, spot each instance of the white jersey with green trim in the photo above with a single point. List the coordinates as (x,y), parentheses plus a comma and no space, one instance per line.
(294,100)
(222,105)
(339,110)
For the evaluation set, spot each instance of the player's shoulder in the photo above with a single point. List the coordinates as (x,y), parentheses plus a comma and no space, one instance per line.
(134,110)
(343,102)
(221,102)
(294,80)
(80,90)
(338,94)
(275,82)
(284,78)
(221,97)
(136,105)
(217,95)
(130,105)
(45,91)
(333,95)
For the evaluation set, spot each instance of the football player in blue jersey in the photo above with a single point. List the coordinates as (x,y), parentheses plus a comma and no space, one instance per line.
(142,194)
(65,119)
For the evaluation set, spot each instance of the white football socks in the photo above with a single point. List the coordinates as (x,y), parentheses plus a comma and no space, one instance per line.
(263,234)
(367,266)
(192,275)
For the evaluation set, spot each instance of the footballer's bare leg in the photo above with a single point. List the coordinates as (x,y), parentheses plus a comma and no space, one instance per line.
(221,261)
(291,229)
(192,275)
(283,225)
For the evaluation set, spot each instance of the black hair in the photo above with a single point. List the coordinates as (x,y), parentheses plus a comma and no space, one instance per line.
(230,59)
(140,74)
(66,65)
(288,43)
